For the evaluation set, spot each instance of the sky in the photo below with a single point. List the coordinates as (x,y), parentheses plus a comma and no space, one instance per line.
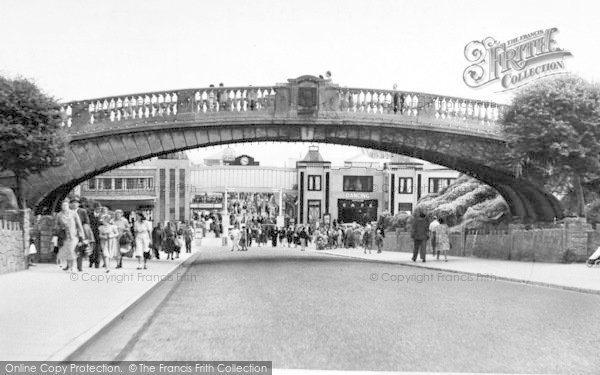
(75,49)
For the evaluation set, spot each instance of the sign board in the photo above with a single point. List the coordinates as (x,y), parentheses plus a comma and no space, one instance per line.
(206,205)
(280,221)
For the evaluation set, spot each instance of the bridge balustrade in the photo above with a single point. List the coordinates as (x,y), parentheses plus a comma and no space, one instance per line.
(449,112)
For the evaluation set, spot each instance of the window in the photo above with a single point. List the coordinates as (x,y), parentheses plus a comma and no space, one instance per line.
(314,182)
(314,210)
(358,183)
(405,207)
(405,185)
(105,183)
(130,183)
(437,184)
(92,184)
(118,184)
(150,183)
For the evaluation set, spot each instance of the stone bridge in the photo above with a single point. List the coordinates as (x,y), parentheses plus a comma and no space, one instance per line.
(461,134)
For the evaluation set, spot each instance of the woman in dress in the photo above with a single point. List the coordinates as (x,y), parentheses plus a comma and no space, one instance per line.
(123,226)
(69,232)
(108,240)
(142,232)
(442,240)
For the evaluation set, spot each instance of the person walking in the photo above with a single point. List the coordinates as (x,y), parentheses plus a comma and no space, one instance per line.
(158,239)
(80,250)
(235,239)
(170,241)
(179,241)
(142,231)
(69,231)
(379,240)
(123,226)
(202,225)
(274,235)
(31,251)
(94,217)
(289,234)
(304,237)
(433,239)
(188,236)
(420,235)
(108,233)
(442,238)
(366,239)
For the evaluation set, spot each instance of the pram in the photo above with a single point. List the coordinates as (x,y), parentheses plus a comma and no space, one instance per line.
(594,259)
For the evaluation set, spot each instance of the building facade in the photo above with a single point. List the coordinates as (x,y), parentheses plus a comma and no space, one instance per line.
(171,188)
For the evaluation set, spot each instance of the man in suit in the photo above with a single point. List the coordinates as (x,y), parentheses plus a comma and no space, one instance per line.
(420,235)
(74,202)
(158,238)
(94,219)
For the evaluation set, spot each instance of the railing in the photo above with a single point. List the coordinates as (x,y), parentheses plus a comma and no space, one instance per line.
(417,104)
(166,105)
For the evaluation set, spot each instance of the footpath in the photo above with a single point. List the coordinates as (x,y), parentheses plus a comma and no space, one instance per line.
(576,276)
(48,313)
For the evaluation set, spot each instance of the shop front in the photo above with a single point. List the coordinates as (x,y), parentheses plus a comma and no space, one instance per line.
(361,211)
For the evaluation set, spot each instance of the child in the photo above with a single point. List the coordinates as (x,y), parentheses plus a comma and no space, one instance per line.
(31,252)
(55,248)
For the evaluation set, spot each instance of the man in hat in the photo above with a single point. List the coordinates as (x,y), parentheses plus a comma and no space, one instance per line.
(85,223)
(94,218)
(74,202)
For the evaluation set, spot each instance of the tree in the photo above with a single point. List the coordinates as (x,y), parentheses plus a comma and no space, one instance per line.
(553,129)
(30,130)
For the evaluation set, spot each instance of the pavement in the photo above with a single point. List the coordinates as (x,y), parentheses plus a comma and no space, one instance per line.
(575,276)
(47,313)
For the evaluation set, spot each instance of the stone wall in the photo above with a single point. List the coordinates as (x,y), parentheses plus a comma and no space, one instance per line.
(42,232)
(14,238)
(574,241)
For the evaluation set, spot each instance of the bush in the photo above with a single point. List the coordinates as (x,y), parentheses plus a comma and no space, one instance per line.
(592,212)
(466,200)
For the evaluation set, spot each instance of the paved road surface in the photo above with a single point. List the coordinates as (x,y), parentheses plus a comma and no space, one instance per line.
(313,311)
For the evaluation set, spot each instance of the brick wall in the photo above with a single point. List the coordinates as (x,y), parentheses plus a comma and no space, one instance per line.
(14,238)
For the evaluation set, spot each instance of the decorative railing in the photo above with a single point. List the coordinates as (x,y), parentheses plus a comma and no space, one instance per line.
(415,104)
(476,115)
(168,104)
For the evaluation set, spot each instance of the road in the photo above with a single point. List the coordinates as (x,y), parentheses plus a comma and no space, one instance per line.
(304,310)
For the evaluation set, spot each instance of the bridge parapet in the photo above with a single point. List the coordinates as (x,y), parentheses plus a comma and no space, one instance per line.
(306,97)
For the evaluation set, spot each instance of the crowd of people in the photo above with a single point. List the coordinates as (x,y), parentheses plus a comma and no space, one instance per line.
(261,232)
(92,232)
(103,237)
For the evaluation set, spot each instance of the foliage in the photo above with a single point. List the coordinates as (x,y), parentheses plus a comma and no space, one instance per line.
(466,201)
(592,211)
(399,221)
(552,128)
(29,129)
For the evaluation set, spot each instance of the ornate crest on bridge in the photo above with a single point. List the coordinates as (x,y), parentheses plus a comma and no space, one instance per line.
(310,94)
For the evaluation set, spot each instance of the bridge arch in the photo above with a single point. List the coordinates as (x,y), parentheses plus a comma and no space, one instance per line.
(457,133)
